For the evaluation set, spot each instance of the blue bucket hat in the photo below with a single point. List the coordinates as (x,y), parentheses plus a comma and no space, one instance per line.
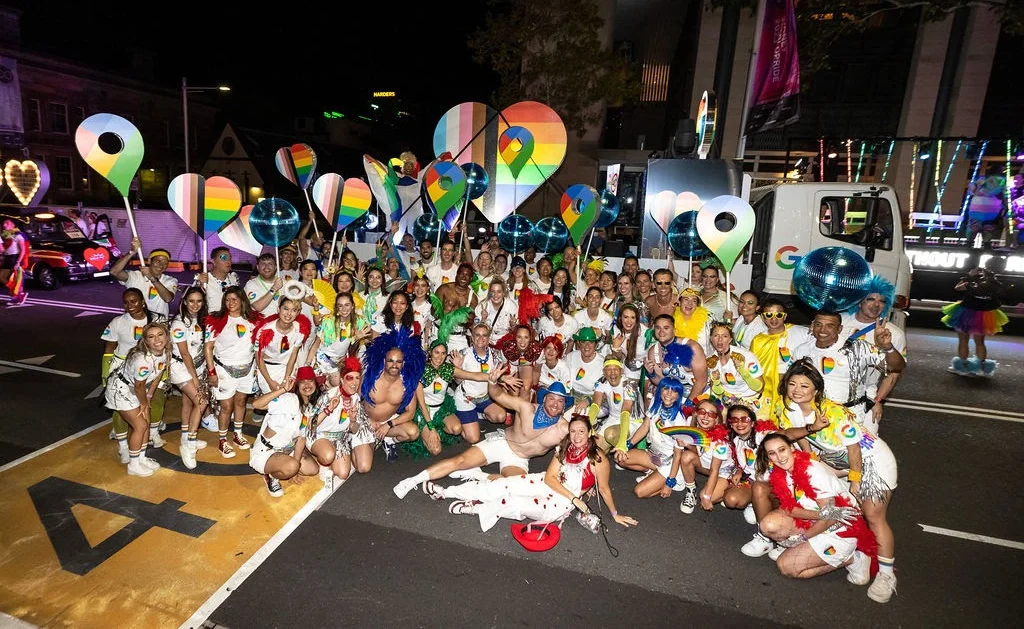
(558,389)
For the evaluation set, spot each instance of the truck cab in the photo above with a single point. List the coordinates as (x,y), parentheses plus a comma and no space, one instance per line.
(796,218)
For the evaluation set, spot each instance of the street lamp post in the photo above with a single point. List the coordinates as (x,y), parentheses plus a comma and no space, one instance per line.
(185,89)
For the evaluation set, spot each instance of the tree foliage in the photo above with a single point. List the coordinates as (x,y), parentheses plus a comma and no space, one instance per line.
(822,23)
(550,51)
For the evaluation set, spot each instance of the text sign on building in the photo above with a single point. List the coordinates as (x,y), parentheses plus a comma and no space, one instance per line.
(939,259)
(383,94)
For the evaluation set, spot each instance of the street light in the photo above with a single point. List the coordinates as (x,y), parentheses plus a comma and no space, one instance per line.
(185,89)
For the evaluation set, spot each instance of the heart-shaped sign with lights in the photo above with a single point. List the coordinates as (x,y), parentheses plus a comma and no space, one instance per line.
(97,257)
(23,178)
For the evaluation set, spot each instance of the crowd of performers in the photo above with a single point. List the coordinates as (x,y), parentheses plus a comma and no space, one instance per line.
(663,374)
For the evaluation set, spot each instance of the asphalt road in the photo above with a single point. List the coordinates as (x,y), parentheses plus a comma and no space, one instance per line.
(367,558)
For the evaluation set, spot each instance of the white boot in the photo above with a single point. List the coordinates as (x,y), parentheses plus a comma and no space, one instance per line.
(137,468)
(122,451)
(198,444)
(155,438)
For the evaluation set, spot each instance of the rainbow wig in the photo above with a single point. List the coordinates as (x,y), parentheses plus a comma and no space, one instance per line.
(415,360)
(883,287)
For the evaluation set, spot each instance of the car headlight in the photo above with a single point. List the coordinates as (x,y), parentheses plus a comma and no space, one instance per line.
(68,257)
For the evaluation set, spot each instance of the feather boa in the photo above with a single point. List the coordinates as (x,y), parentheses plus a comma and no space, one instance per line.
(263,334)
(412,370)
(449,321)
(530,304)
(216,324)
(692,327)
(719,433)
(866,542)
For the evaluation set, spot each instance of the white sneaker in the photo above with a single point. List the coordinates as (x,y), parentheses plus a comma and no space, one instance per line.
(758,546)
(162,427)
(148,462)
(122,451)
(209,422)
(776,552)
(198,444)
(155,439)
(860,570)
(749,516)
(137,468)
(404,487)
(188,456)
(883,587)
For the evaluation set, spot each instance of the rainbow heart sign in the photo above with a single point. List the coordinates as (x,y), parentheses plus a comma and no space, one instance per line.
(341,201)
(667,205)
(471,132)
(237,233)
(446,186)
(296,163)
(580,205)
(205,205)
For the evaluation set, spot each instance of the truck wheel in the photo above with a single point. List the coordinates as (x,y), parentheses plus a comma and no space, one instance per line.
(45,277)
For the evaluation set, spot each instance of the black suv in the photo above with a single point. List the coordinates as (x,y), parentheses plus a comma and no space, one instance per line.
(60,251)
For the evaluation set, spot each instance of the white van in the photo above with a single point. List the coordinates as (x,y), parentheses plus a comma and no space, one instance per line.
(795,218)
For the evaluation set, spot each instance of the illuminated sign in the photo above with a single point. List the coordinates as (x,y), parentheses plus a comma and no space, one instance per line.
(383,94)
(707,115)
(23,178)
(940,259)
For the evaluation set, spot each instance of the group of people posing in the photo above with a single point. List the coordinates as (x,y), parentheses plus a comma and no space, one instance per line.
(668,375)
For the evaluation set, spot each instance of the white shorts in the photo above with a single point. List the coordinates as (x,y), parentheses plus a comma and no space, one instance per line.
(259,454)
(465,403)
(884,462)
(277,372)
(120,396)
(634,425)
(179,374)
(833,550)
(498,451)
(228,386)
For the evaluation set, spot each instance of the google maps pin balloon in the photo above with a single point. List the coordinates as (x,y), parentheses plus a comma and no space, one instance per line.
(446,185)
(579,207)
(112,146)
(515,145)
(725,225)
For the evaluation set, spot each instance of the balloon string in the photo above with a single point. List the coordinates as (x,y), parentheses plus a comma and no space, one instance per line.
(135,232)
(205,256)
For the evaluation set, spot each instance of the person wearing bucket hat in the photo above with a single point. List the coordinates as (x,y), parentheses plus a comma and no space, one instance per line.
(586,367)
(158,288)
(537,428)
(577,469)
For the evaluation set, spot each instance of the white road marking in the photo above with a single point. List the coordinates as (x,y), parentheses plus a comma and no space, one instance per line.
(977,413)
(32,301)
(98,391)
(58,372)
(941,405)
(254,562)
(38,360)
(974,537)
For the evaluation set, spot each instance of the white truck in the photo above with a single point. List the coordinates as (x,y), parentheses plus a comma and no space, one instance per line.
(796,218)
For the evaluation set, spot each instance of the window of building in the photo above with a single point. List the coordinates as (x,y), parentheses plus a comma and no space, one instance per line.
(80,166)
(77,116)
(655,82)
(33,116)
(63,174)
(57,115)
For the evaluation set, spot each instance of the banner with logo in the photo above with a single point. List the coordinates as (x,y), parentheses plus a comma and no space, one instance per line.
(775,93)
(611,182)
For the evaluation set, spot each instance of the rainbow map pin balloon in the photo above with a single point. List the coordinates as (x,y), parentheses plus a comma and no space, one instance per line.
(446,186)
(236,233)
(297,163)
(515,145)
(713,222)
(579,207)
(118,168)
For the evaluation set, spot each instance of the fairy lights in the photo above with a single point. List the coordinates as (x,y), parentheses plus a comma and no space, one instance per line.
(941,190)
(888,157)
(23,179)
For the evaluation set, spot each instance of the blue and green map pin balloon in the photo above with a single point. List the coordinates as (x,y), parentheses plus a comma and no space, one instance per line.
(515,146)
(725,225)
(119,167)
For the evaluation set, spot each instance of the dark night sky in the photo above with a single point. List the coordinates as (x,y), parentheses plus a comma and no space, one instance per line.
(296,58)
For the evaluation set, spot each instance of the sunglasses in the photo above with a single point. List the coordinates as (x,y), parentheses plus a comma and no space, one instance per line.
(663,283)
(739,419)
(224,256)
(774,315)
(705,413)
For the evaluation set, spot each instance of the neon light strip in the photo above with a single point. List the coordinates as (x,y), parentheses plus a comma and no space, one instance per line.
(821,159)
(888,157)
(941,190)
(849,161)
(913,169)
(970,184)
(860,161)
(1009,223)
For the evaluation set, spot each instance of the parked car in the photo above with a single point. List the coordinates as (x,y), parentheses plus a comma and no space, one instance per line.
(60,252)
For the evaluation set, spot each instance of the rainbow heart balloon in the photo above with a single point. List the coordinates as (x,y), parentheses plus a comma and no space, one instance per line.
(205,205)
(471,132)
(236,233)
(296,163)
(579,206)
(341,201)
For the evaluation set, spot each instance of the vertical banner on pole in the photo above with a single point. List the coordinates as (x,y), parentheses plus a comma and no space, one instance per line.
(774,99)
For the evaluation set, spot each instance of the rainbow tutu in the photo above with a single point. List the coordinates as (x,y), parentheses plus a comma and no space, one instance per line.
(974,322)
